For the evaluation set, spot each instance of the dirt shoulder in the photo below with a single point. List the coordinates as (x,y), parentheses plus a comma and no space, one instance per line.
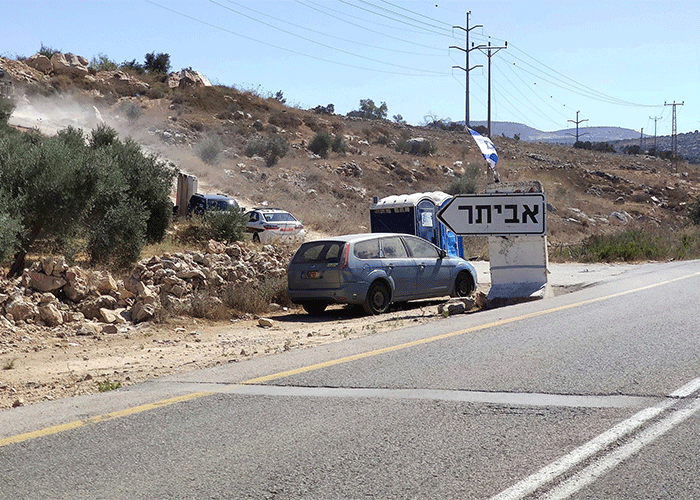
(39,363)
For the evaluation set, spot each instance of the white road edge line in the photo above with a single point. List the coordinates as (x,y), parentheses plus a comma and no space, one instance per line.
(600,467)
(565,463)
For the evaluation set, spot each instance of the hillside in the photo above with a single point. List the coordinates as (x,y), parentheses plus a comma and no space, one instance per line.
(589,192)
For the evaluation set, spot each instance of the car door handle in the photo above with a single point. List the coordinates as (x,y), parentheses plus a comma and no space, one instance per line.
(390,266)
(421,265)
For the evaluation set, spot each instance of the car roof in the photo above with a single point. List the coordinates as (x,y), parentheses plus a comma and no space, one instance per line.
(266,209)
(351,238)
(214,196)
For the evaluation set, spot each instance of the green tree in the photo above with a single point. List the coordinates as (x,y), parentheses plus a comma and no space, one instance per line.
(370,111)
(157,63)
(107,195)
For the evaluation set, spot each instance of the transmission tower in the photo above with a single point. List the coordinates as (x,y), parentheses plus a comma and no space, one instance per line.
(490,51)
(466,67)
(655,118)
(577,121)
(674,129)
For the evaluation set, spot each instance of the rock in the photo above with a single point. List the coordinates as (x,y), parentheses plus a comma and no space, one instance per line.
(105,284)
(141,312)
(187,78)
(39,63)
(51,315)
(266,322)
(18,402)
(43,283)
(481,300)
(87,328)
(69,64)
(110,316)
(110,329)
(451,308)
(21,310)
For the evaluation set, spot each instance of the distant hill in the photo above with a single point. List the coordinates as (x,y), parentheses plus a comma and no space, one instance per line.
(688,143)
(564,136)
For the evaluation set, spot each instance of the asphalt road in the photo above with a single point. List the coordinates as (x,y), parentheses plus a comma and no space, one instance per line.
(587,395)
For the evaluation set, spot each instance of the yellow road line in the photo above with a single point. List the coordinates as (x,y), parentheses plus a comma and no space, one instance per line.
(304,369)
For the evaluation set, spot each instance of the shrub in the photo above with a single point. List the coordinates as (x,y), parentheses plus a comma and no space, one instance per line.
(47,51)
(321,144)
(694,211)
(629,246)
(102,63)
(467,183)
(285,119)
(208,149)
(271,149)
(228,226)
(131,110)
(119,236)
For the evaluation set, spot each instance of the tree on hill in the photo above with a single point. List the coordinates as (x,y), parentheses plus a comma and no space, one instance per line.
(105,198)
(157,63)
(370,111)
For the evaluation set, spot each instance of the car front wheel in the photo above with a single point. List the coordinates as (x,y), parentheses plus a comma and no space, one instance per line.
(378,298)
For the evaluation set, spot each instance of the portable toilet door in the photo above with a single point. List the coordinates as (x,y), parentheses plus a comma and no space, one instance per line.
(427,222)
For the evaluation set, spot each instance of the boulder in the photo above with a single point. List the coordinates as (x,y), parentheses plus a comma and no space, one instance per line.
(69,64)
(39,63)
(50,315)
(43,283)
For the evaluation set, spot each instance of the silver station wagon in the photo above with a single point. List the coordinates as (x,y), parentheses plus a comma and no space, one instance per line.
(374,270)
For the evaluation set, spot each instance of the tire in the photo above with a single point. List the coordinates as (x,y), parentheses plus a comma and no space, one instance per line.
(314,308)
(256,238)
(464,284)
(378,298)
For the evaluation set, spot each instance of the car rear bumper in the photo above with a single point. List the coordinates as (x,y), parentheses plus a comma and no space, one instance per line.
(353,293)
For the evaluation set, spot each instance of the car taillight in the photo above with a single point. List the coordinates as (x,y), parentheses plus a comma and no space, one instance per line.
(344,263)
(270,226)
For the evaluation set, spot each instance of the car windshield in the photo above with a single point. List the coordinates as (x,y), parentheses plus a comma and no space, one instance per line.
(319,252)
(278,217)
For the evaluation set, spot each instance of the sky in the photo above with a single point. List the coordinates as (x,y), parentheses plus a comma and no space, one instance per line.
(553,63)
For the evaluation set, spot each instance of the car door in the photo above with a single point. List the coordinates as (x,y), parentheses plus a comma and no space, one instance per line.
(400,266)
(433,276)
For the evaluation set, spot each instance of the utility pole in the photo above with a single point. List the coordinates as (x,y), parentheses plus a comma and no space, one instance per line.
(641,140)
(655,118)
(490,53)
(674,129)
(466,67)
(577,121)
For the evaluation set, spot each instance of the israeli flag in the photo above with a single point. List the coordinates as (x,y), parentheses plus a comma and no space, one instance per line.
(488,149)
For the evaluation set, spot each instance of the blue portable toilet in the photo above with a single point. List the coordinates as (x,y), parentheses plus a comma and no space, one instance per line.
(415,214)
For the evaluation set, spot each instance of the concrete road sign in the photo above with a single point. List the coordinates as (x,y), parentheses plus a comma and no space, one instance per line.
(495,214)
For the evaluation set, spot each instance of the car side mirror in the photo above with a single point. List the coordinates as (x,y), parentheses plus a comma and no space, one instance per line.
(442,253)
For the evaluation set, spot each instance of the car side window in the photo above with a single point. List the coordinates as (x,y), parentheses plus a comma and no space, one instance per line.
(368,249)
(421,249)
(393,248)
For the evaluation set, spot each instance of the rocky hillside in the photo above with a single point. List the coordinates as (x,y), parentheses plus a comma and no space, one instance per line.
(184,118)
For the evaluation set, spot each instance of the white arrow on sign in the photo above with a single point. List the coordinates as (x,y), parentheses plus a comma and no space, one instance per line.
(495,214)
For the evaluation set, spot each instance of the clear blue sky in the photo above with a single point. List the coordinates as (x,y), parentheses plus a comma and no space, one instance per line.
(616,62)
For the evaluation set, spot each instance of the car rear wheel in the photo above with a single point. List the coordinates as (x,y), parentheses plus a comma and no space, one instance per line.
(378,298)
(314,308)
(464,284)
